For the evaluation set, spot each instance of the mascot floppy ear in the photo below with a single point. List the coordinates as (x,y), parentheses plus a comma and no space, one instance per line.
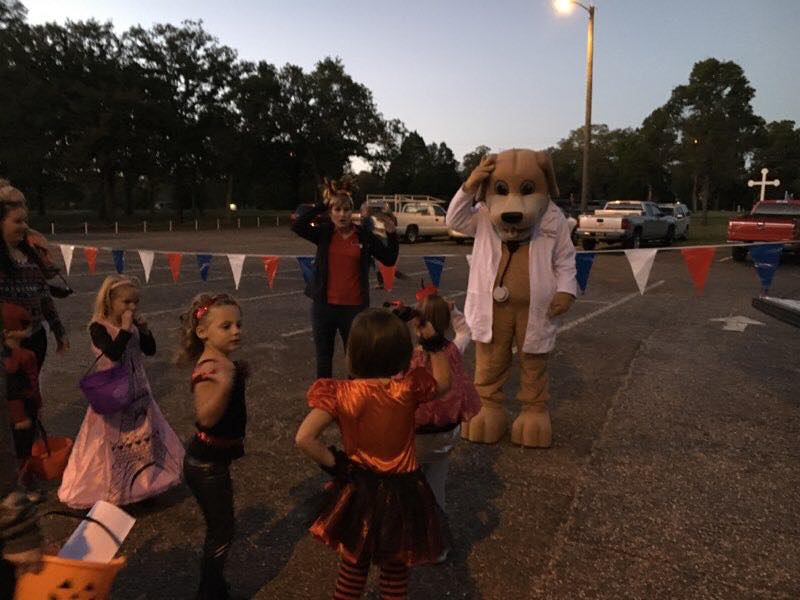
(546,164)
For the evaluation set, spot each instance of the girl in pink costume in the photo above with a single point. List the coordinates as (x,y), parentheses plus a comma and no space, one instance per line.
(133,454)
(438,423)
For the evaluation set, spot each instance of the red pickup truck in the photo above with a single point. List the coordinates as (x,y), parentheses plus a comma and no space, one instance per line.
(769,221)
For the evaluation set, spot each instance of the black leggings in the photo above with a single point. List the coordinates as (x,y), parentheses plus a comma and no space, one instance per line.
(37,344)
(210,482)
(326,321)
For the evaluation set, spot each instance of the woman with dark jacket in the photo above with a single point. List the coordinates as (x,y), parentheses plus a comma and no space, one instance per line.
(340,285)
(24,275)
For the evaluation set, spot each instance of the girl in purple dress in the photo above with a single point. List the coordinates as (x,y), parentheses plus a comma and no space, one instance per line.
(133,454)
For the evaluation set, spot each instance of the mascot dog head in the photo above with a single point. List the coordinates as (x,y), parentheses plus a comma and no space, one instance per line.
(518,191)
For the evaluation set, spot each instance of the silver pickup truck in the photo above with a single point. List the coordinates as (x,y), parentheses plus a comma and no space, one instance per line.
(417,216)
(630,222)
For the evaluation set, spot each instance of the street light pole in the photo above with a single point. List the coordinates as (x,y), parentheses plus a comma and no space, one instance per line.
(587,131)
(566,6)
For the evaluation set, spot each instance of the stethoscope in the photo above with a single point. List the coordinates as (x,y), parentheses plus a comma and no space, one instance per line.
(500,292)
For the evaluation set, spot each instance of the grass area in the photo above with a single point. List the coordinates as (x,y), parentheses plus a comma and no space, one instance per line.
(714,232)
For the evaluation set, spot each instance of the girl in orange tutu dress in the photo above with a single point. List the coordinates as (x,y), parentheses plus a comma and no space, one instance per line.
(378,508)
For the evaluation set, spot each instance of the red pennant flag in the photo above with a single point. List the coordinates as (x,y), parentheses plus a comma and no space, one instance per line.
(91,258)
(270,268)
(174,259)
(388,275)
(698,261)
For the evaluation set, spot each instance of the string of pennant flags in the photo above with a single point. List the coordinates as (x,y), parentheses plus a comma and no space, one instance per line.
(698,259)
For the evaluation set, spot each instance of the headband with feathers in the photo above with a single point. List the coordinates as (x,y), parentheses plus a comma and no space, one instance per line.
(332,188)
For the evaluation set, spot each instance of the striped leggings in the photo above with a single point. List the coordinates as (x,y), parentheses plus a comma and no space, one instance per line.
(353,578)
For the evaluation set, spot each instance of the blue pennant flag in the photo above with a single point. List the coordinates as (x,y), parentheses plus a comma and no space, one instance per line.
(583,263)
(766,258)
(307,267)
(204,262)
(435,266)
(119,260)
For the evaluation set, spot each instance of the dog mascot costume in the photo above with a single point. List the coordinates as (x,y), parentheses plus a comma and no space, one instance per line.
(522,277)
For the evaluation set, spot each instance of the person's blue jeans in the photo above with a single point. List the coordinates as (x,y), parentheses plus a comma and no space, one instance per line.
(326,321)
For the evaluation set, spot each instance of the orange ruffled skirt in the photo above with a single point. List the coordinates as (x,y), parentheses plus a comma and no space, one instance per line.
(382,518)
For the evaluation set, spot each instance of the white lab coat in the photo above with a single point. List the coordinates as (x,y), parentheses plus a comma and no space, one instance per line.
(552,269)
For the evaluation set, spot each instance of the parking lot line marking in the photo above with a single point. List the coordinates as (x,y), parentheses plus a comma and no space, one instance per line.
(249,298)
(724,259)
(167,311)
(600,311)
(297,332)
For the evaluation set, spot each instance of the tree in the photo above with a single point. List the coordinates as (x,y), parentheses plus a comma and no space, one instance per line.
(423,169)
(779,151)
(472,160)
(717,129)
(194,75)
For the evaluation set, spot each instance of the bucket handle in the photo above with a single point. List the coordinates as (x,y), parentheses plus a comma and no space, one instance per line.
(103,526)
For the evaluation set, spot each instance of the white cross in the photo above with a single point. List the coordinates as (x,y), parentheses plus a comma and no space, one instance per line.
(763,183)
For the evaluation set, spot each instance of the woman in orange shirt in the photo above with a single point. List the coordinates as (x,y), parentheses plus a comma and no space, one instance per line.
(379,508)
(340,285)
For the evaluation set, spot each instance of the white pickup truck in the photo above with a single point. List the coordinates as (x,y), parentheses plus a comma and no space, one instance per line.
(417,216)
(630,222)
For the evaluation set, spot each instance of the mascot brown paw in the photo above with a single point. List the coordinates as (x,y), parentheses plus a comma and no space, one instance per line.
(488,426)
(532,428)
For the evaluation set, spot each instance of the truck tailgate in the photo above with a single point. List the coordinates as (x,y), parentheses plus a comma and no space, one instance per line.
(600,223)
(751,230)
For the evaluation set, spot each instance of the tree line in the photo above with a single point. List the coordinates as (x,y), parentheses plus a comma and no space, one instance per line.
(118,122)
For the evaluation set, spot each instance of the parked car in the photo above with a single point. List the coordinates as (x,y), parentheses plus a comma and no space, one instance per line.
(682,217)
(416,216)
(769,221)
(374,212)
(303,209)
(631,222)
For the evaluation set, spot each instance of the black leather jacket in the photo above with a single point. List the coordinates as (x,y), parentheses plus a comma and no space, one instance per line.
(371,246)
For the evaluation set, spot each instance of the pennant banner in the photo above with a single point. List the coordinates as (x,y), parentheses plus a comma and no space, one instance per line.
(641,261)
(435,265)
(583,266)
(147,257)
(766,259)
(174,259)
(698,261)
(119,260)
(91,258)
(204,262)
(237,264)
(270,268)
(388,275)
(66,253)
(307,267)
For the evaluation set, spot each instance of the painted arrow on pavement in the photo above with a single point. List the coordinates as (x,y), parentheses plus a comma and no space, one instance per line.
(738,323)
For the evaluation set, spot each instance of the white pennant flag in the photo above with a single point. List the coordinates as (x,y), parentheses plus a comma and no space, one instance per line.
(66,253)
(469,259)
(146,256)
(641,264)
(237,263)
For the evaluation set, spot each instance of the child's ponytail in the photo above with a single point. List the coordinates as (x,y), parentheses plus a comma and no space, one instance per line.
(436,311)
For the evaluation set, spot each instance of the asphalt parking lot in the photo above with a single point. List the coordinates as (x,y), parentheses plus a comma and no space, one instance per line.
(673,472)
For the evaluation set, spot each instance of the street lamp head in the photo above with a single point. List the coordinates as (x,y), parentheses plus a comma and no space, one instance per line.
(564,6)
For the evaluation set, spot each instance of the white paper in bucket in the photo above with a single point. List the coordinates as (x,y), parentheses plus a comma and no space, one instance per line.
(91,542)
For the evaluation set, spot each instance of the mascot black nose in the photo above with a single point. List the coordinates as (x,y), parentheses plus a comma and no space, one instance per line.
(511,217)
